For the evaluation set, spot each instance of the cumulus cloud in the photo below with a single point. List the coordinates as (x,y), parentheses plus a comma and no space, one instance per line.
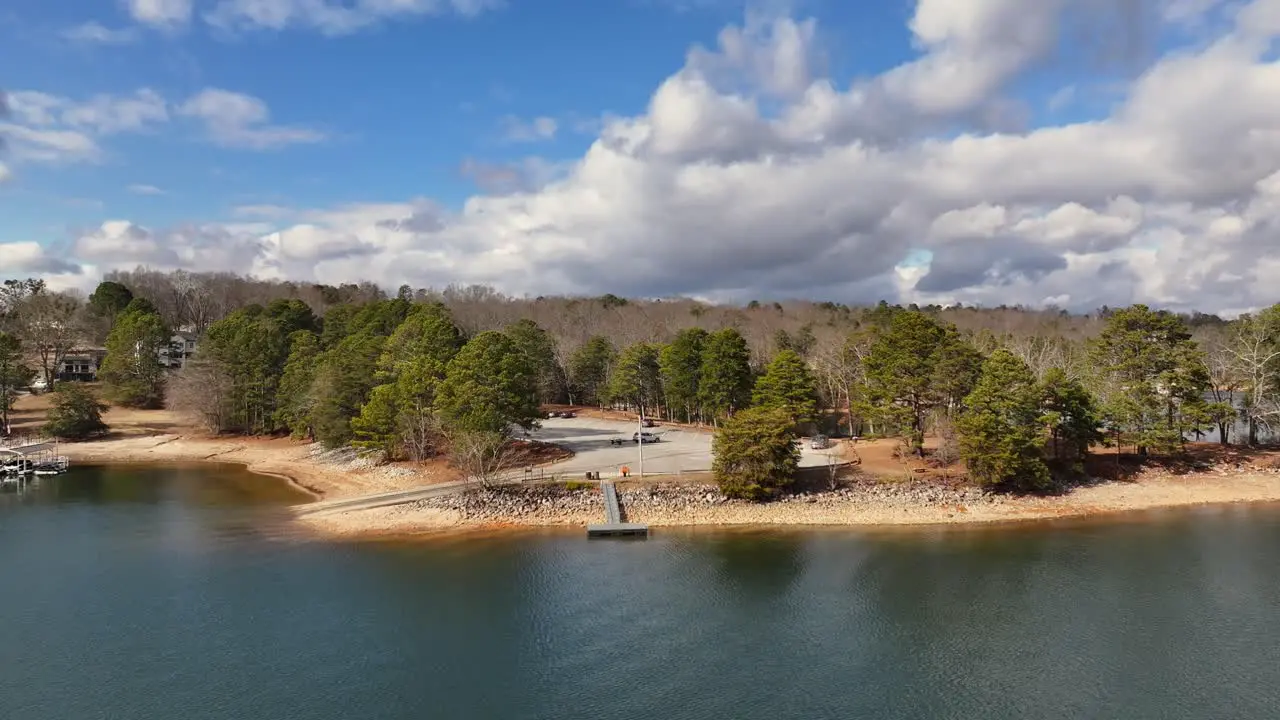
(243,121)
(751,175)
(32,259)
(121,244)
(332,17)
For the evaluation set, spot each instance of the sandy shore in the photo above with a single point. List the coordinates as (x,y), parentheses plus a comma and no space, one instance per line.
(301,463)
(856,507)
(160,436)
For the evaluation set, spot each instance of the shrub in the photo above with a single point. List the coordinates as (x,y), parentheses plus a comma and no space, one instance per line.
(76,414)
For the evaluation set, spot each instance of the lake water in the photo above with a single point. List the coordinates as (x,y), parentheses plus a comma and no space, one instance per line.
(172,593)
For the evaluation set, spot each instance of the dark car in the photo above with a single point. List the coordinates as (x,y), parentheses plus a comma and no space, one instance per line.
(568,414)
(646,423)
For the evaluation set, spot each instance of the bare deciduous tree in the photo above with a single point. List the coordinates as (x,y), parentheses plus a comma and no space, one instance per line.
(48,324)
(202,390)
(483,456)
(1254,349)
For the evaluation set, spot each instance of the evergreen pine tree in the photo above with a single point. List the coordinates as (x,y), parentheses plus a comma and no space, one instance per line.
(132,371)
(725,379)
(755,453)
(680,366)
(488,387)
(788,384)
(1000,437)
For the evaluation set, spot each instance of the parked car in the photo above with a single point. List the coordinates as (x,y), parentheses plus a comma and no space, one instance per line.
(819,442)
(644,437)
(568,414)
(646,422)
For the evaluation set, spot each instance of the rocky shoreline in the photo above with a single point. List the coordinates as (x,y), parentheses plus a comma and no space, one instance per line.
(557,504)
(863,502)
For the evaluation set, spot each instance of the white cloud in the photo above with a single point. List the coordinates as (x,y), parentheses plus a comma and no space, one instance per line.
(139,189)
(751,175)
(34,108)
(106,114)
(538,128)
(161,13)
(5,173)
(49,145)
(93,33)
(333,17)
(28,257)
(101,114)
(243,121)
(53,129)
(120,244)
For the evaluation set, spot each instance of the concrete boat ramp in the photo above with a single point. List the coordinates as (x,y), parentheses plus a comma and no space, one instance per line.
(613,525)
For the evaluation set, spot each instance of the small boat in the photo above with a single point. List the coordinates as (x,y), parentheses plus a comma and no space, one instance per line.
(56,466)
(17,467)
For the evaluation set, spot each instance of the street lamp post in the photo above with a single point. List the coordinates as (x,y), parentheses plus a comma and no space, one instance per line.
(640,439)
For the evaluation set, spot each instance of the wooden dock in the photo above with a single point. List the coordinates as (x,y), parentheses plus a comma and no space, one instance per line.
(613,525)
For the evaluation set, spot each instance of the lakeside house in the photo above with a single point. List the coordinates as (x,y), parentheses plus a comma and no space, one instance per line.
(182,345)
(82,364)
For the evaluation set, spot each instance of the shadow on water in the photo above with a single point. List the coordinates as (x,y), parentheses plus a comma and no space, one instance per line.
(757,567)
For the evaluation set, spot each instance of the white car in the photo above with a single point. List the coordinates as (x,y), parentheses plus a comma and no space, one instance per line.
(644,437)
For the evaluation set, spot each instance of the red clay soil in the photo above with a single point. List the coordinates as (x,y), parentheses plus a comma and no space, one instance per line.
(535,453)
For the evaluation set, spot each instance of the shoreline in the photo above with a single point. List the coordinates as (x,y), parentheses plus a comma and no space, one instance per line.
(870,506)
(303,466)
(866,504)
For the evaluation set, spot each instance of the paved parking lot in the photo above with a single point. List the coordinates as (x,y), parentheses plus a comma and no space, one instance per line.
(678,451)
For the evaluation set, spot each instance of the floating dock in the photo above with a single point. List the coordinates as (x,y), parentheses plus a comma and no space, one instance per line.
(613,525)
(34,458)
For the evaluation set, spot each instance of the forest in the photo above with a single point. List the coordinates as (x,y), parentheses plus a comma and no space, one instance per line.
(1019,394)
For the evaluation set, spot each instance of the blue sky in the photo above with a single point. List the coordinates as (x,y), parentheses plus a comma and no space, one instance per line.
(1065,152)
(405,105)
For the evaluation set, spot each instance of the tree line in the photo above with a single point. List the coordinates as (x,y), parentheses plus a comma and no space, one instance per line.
(1018,393)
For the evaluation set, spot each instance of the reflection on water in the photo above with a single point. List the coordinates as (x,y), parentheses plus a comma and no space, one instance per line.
(168,601)
(204,485)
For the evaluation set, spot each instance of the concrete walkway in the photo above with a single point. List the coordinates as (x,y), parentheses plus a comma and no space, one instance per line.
(386,499)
